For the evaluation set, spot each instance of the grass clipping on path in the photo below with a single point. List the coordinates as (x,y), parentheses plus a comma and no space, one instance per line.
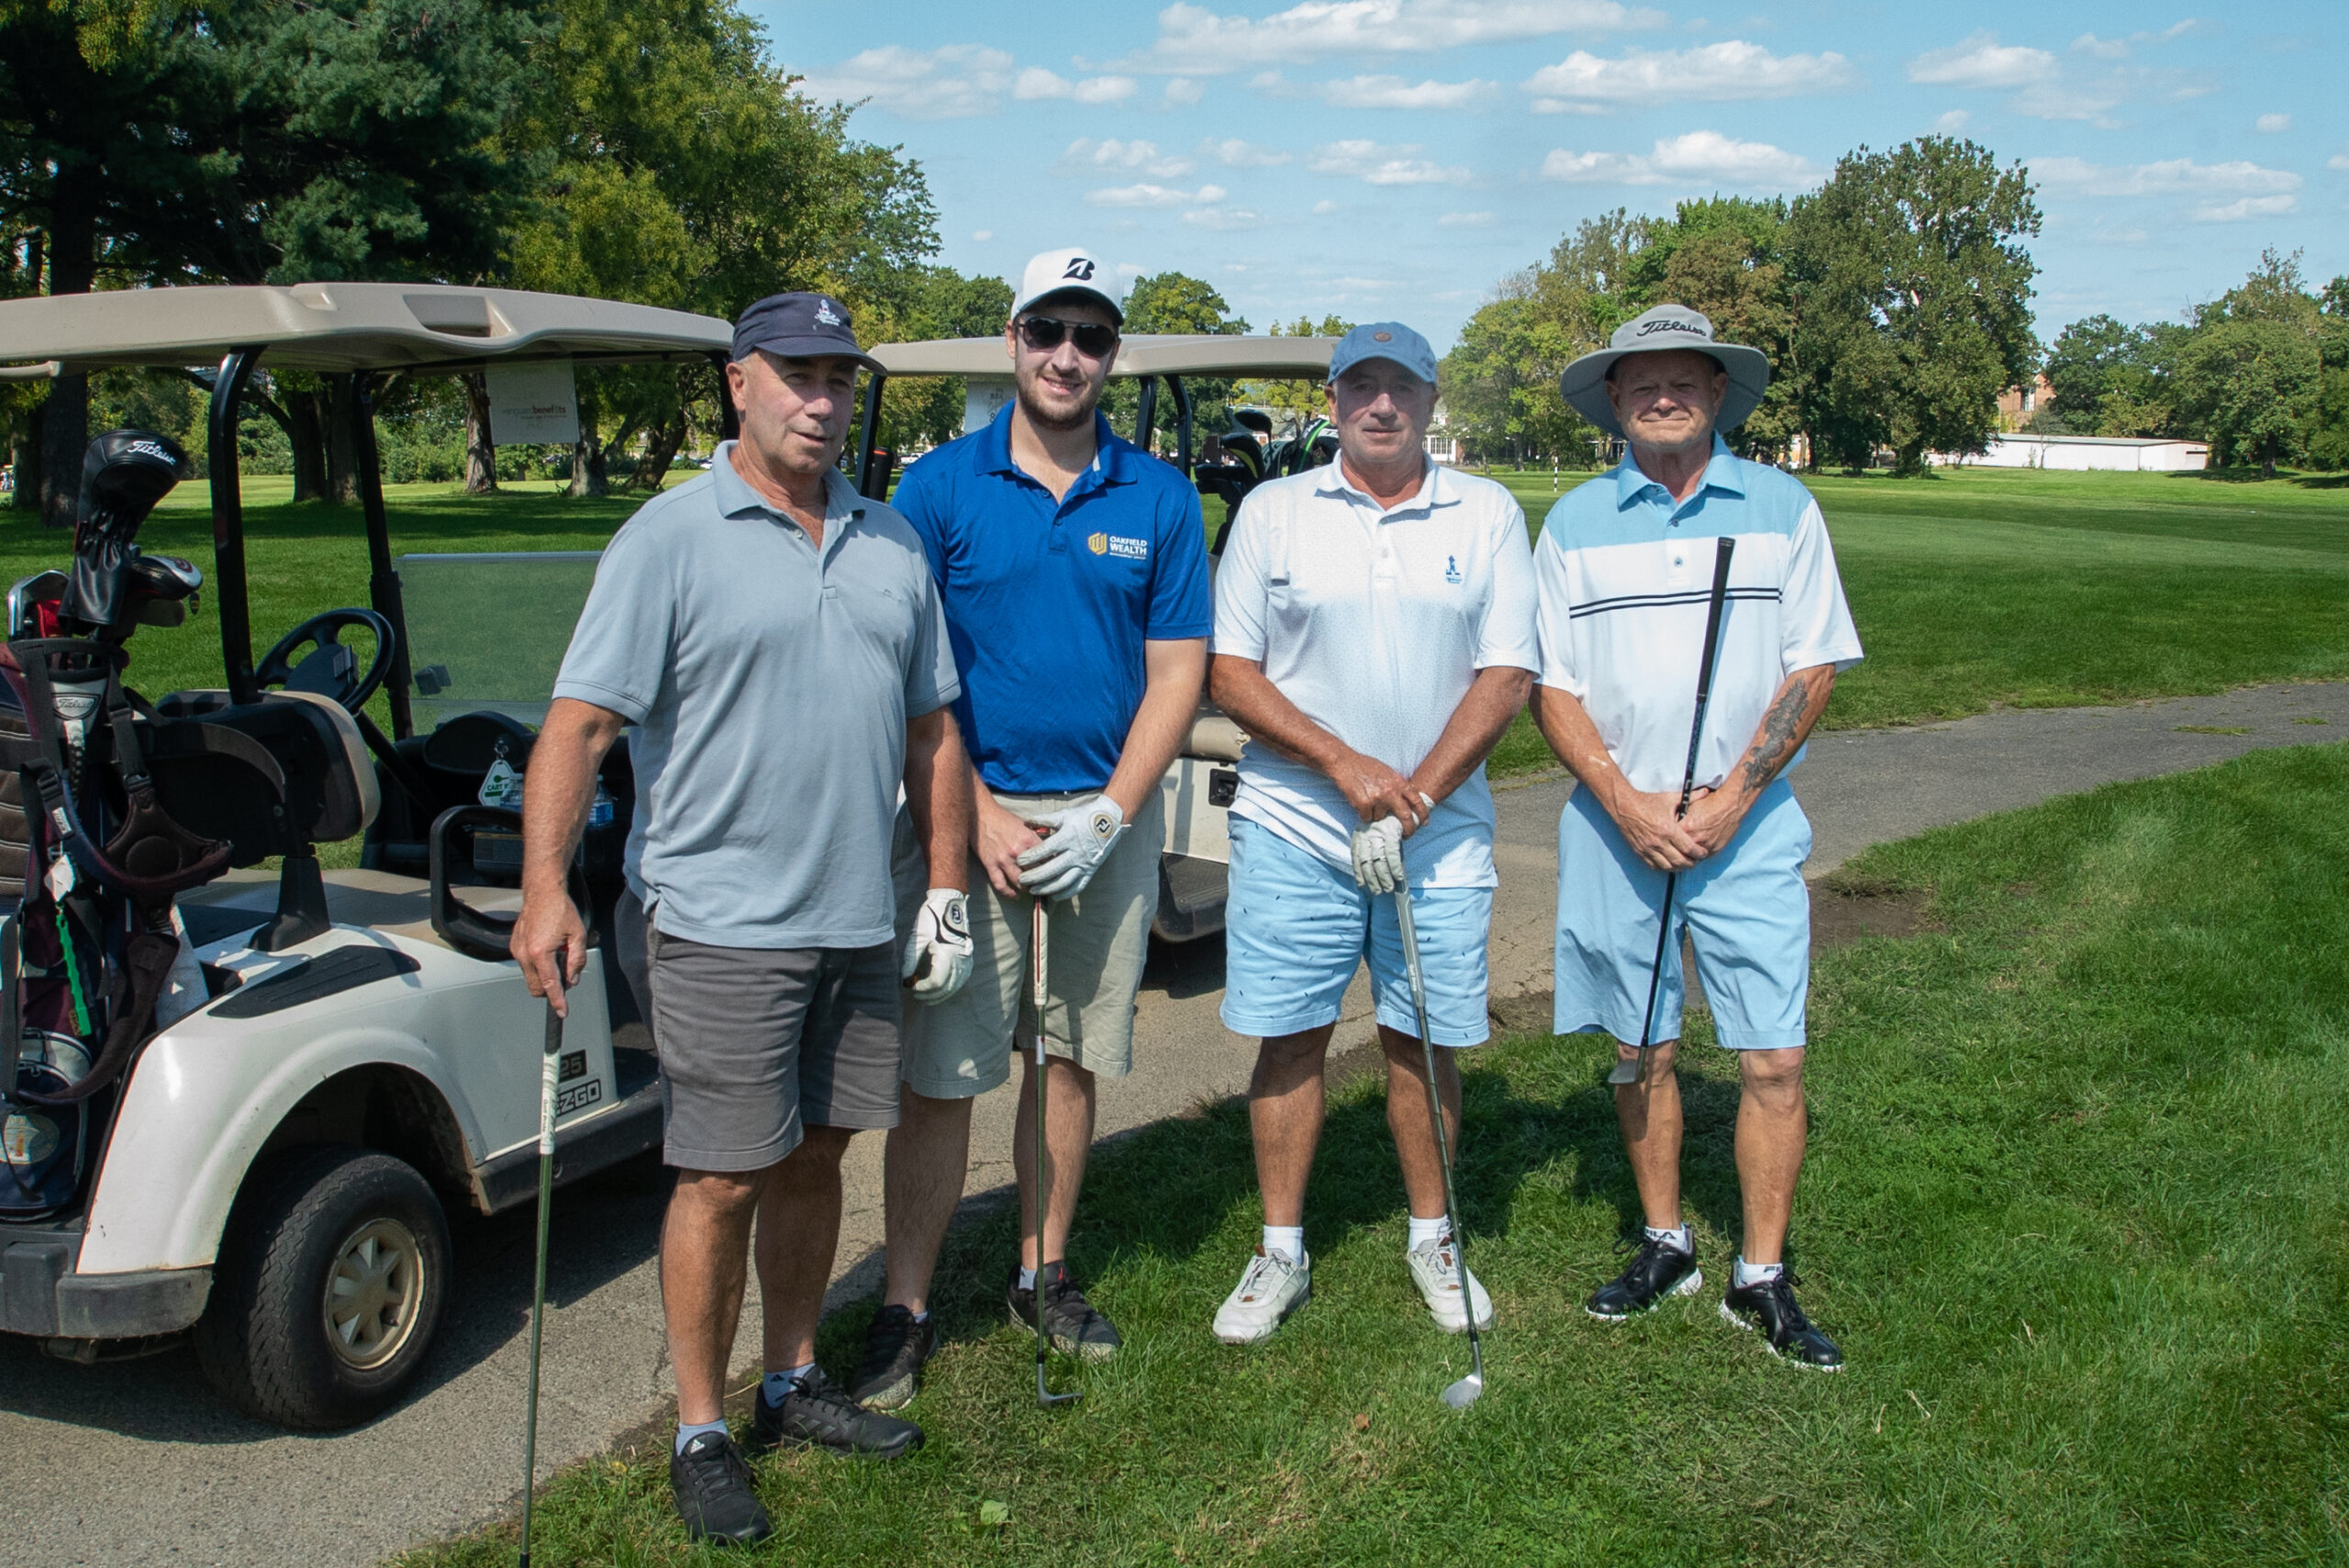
(2075,1208)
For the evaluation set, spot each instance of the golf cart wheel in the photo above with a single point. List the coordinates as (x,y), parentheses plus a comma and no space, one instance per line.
(329,1290)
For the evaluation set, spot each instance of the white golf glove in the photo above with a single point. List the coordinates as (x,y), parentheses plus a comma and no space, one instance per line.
(1378,855)
(1076,840)
(938,952)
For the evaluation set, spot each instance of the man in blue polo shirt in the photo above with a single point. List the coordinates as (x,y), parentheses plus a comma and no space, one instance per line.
(1624,567)
(1073,567)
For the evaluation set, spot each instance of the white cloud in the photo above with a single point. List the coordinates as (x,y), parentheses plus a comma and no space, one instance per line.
(1148,194)
(1223,219)
(2256,192)
(1381,165)
(2271,124)
(1982,61)
(1464,220)
(1718,72)
(2072,101)
(1196,40)
(949,83)
(1325,206)
(982,235)
(1395,93)
(2103,48)
(1952,122)
(1085,155)
(1038,83)
(2338,161)
(1698,158)
(1234,153)
(1179,91)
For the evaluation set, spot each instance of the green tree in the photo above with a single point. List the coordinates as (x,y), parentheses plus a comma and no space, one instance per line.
(1723,256)
(2330,445)
(1298,399)
(1915,288)
(1174,303)
(2250,375)
(2091,359)
(944,303)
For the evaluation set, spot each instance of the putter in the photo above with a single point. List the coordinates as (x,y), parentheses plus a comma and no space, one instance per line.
(550,1069)
(1465,1392)
(1637,1072)
(1038,992)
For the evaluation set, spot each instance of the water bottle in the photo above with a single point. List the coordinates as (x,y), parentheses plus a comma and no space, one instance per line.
(600,814)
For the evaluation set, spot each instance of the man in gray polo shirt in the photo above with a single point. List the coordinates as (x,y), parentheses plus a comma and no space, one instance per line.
(779,643)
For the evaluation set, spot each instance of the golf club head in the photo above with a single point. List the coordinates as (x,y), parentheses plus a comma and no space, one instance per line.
(1624,1072)
(40,587)
(1047,1398)
(124,473)
(1465,1392)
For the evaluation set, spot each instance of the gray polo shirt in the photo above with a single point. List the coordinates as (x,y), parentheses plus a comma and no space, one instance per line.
(770,683)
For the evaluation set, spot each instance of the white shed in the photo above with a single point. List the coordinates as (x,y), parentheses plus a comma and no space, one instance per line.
(2127,454)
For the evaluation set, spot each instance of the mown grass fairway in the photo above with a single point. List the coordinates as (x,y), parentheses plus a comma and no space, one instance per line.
(2075,1208)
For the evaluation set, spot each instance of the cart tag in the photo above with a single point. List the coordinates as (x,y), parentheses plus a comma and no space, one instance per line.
(59,878)
(502,786)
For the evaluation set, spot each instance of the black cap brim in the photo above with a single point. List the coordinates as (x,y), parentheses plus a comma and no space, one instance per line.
(814,348)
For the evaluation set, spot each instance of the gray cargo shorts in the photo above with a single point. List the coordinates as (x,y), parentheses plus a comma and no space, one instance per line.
(757,1044)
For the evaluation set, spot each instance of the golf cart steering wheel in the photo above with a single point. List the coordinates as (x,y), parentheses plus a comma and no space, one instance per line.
(331,670)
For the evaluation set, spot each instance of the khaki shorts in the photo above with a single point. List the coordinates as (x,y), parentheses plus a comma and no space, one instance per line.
(1096,946)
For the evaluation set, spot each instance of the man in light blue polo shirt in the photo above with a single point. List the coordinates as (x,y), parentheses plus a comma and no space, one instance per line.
(1625,564)
(1373,634)
(1073,565)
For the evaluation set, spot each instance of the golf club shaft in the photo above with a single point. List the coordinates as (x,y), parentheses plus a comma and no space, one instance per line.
(549,1072)
(1435,1115)
(1724,548)
(1039,994)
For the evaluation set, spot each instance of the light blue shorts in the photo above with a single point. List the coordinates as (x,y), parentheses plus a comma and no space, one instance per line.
(1297,928)
(1745,911)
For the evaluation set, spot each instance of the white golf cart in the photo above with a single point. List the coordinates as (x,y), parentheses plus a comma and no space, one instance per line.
(1194,863)
(271,1170)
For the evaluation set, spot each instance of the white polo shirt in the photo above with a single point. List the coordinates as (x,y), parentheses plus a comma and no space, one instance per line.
(1375,623)
(1626,578)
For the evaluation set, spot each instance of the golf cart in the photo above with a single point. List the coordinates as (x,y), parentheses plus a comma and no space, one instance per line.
(349,1051)
(1193,863)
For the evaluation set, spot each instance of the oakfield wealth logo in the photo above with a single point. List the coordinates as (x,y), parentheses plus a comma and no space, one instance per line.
(1098,544)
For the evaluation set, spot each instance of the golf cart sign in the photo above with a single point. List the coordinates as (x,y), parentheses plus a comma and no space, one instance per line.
(533,404)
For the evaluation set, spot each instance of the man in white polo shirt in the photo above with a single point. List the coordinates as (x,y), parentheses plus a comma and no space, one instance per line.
(1373,634)
(1626,565)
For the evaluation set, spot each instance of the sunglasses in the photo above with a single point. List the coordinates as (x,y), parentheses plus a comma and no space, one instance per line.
(1045,333)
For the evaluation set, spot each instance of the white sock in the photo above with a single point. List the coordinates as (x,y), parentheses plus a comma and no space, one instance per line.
(688,1431)
(1754,1273)
(1679,1238)
(1288,1238)
(921,1317)
(1425,1232)
(1027,1279)
(777,1385)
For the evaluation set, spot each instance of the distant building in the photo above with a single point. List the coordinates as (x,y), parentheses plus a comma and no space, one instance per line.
(1442,445)
(2017,404)
(2127,454)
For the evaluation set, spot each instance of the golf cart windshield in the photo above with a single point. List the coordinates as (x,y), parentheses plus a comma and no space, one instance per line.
(488,633)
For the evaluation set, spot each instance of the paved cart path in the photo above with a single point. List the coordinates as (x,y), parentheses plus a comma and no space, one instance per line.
(137,1462)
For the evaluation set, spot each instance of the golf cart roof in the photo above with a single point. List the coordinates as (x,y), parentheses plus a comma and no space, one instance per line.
(340,326)
(1188,353)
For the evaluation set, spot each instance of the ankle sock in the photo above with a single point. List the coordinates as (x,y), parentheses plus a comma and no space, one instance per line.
(1754,1273)
(1288,1238)
(1027,1279)
(921,1317)
(777,1385)
(1424,1232)
(1679,1238)
(688,1430)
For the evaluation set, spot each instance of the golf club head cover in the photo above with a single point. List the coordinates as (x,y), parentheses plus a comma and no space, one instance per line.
(124,473)
(1076,840)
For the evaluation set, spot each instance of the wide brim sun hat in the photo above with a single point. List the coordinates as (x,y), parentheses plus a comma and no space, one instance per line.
(1667,327)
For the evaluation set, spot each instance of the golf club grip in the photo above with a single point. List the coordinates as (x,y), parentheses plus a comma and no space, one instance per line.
(1725,547)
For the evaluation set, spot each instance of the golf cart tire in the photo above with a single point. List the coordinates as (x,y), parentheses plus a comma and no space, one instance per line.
(263,1340)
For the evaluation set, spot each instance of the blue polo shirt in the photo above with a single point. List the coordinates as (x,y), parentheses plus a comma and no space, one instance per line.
(1048,603)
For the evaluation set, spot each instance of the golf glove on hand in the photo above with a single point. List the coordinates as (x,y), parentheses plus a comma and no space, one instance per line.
(1378,855)
(1076,840)
(938,952)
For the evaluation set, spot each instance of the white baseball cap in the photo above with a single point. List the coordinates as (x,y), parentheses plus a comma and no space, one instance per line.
(1071,270)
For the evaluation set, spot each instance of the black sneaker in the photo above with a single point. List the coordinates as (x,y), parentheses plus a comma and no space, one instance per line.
(1769,1306)
(1659,1268)
(818,1412)
(714,1492)
(1071,1324)
(895,1348)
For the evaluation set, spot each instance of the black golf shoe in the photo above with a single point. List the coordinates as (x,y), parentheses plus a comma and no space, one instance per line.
(1658,1269)
(1071,1323)
(714,1492)
(1769,1306)
(895,1347)
(818,1412)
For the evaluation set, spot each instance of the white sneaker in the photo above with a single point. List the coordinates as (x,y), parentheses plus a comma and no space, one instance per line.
(1273,1286)
(1436,1268)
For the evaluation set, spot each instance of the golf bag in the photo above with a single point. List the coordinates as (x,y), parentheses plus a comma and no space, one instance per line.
(89,860)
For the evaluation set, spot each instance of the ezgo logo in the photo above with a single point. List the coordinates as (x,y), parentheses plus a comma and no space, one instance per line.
(1118,545)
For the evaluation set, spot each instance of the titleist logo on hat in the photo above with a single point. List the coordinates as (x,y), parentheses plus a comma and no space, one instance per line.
(1697,328)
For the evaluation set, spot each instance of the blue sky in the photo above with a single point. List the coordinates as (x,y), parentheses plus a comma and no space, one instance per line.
(1396,157)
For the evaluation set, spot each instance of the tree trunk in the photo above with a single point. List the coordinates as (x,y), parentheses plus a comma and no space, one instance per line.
(481,456)
(305,434)
(336,400)
(660,450)
(26,458)
(65,427)
(587,473)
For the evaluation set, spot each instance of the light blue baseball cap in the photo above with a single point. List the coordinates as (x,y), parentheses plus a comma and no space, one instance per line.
(1383,341)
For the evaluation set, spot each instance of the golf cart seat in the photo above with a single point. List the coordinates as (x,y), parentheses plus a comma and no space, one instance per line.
(326,787)
(445,769)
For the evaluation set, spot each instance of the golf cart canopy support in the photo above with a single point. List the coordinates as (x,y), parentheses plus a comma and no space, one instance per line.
(362,331)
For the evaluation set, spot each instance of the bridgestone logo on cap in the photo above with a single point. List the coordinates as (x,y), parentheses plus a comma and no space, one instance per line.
(1081,269)
(1668,325)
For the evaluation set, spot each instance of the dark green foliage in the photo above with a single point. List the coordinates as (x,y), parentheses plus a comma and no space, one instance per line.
(1173,303)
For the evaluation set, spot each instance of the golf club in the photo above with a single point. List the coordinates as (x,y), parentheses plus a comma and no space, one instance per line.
(1637,1072)
(1465,1392)
(549,1072)
(1038,992)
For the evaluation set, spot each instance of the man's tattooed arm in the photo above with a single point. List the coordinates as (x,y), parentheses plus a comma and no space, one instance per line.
(1788,724)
